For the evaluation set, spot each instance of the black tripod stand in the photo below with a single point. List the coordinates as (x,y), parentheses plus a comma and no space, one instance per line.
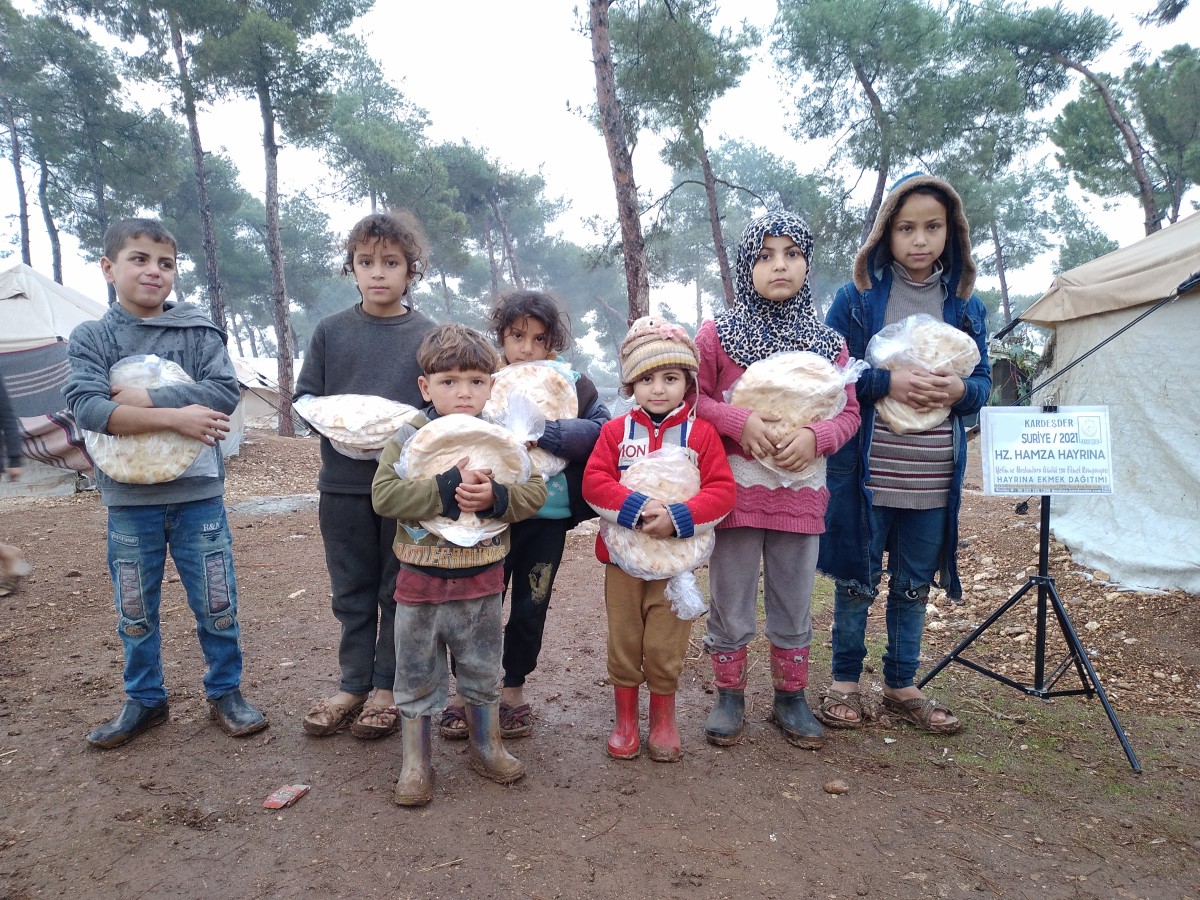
(1042,686)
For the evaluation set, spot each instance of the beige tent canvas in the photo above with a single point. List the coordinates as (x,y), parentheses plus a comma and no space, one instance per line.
(1147,533)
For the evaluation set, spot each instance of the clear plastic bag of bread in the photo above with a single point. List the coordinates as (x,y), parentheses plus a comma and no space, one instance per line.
(549,385)
(357,425)
(151,457)
(687,600)
(800,388)
(923,342)
(668,475)
(438,446)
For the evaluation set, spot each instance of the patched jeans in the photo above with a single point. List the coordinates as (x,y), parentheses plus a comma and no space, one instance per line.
(197,534)
(913,540)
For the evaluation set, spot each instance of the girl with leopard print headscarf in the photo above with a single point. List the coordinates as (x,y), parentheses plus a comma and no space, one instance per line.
(780,526)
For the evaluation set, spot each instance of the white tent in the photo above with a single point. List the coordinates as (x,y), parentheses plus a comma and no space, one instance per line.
(1147,533)
(36,317)
(259,377)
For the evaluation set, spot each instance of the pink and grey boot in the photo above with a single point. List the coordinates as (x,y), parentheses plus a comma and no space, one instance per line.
(789,673)
(724,724)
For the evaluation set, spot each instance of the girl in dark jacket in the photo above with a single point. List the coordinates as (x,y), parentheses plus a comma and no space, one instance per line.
(901,493)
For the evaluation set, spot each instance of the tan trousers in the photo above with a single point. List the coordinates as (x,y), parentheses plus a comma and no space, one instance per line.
(646,640)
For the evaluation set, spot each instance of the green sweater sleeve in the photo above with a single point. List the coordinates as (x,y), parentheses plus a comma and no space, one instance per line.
(402,499)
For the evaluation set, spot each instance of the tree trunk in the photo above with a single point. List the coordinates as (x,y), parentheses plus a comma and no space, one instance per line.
(493,266)
(445,294)
(216,297)
(509,249)
(1137,155)
(714,219)
(633,244)
(1002,275)
(279,300)
(48,218)
(93,147)
(885,157)
(14,140)
(699,305)
(237,338)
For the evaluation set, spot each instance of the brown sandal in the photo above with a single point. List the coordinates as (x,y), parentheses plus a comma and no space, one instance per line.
(918,711)
(832,697)
(366,731)
(328,718)
(516,721)
(452,726)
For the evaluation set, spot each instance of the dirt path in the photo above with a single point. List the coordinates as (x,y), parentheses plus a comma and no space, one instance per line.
(1032,799)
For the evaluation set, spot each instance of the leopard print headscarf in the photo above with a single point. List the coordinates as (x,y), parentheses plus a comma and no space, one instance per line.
(757,327)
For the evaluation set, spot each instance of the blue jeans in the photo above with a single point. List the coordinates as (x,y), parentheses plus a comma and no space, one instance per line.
(197,534)
(913,539)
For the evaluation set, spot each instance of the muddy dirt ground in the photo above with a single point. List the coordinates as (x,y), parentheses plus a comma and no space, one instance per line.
(1033,798)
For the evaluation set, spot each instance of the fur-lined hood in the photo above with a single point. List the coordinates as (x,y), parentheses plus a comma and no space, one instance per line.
(876,255)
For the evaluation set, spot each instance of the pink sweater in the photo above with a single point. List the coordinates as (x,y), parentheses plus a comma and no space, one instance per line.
(798,510)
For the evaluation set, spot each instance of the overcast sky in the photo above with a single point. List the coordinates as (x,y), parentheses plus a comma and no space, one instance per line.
(512,78)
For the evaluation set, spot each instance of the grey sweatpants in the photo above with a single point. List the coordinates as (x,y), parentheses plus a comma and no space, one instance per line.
(473,630)
(789,567)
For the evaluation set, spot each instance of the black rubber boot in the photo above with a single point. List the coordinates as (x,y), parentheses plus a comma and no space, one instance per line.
(237,717)
(133,719)
(724,724)
(791,713)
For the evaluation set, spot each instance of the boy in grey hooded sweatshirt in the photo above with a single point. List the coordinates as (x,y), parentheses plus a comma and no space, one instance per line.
(186,515)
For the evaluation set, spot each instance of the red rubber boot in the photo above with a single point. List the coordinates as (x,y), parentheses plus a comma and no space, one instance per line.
(664,741)
(624,742)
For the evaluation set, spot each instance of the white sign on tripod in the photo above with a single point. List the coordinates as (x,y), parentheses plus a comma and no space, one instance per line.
(1028,451)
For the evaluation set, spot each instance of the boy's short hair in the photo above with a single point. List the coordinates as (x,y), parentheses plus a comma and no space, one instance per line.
(454,347)
(121,232)
(523,304)
(398,226)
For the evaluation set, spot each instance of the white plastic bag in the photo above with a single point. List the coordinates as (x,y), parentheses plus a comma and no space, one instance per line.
(800,388)
(668,475)
(152,457)
(923,342)
(687,602)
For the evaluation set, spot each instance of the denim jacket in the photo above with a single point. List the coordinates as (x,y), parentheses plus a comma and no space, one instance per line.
(859,315)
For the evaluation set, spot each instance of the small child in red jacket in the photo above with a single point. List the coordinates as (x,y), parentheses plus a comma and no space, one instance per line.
(646,639)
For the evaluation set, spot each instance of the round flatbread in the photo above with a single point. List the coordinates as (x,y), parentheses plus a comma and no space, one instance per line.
(671,478)
(356,421)
(923,341)
(439,445)
(550,390)
(153,456)
(798,386)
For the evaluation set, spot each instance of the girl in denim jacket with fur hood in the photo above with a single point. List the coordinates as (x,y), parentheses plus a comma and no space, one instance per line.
(901,493)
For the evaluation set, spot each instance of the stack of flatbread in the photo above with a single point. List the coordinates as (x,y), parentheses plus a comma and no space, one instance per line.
(552,392)
(670,476)
(153,456)
(357,425)
(798,386)
(438,446)
(926,343)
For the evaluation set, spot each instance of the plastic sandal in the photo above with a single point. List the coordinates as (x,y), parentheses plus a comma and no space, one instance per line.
(516,721)
(452,725)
